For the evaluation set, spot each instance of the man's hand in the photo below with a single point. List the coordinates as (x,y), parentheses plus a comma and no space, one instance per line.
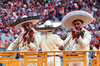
(91,46)
(21,55)
(61,47)
(78,33)
(28,39)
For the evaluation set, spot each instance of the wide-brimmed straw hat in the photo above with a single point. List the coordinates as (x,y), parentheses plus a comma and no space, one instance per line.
(76,15)
(24,19)
(48,26)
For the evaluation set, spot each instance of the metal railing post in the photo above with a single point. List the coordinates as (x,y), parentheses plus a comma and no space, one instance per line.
(85,63)
(45,58)
(64,59)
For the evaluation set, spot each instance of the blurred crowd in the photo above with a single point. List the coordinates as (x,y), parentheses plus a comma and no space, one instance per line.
(11,10)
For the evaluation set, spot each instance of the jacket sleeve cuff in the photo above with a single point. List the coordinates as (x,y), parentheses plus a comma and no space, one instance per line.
(62,44)
(33,46)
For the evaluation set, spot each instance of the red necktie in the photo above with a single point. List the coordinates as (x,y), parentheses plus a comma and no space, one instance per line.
(24,37)
(73,32)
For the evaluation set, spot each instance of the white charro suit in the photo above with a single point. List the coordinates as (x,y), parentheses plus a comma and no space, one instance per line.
(81,44)
(51,42)
(23,46)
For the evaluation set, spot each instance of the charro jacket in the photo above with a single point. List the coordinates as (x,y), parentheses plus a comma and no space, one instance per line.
(23,46)
(50,42)
(82,43)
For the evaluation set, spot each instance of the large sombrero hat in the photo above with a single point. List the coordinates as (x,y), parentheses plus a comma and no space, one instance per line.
(18,23)
(76,15)
(48,26)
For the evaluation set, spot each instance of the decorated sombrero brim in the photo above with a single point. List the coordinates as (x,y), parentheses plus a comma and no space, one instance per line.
(76,15)
(18,23)
(48,26)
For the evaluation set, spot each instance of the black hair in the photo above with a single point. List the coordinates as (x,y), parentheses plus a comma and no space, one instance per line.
(78,20)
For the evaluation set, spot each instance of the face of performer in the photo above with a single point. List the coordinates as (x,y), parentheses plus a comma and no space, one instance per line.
(77,24)
(27,26)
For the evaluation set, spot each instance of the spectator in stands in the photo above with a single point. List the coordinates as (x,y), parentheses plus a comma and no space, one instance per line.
(99,38)
(0,41)
(28,40)
(50,42)
(10,41)
(80,38)
(6,42)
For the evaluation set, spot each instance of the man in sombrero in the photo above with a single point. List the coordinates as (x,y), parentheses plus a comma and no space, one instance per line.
(50,41)
(80,38)
(28,40)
